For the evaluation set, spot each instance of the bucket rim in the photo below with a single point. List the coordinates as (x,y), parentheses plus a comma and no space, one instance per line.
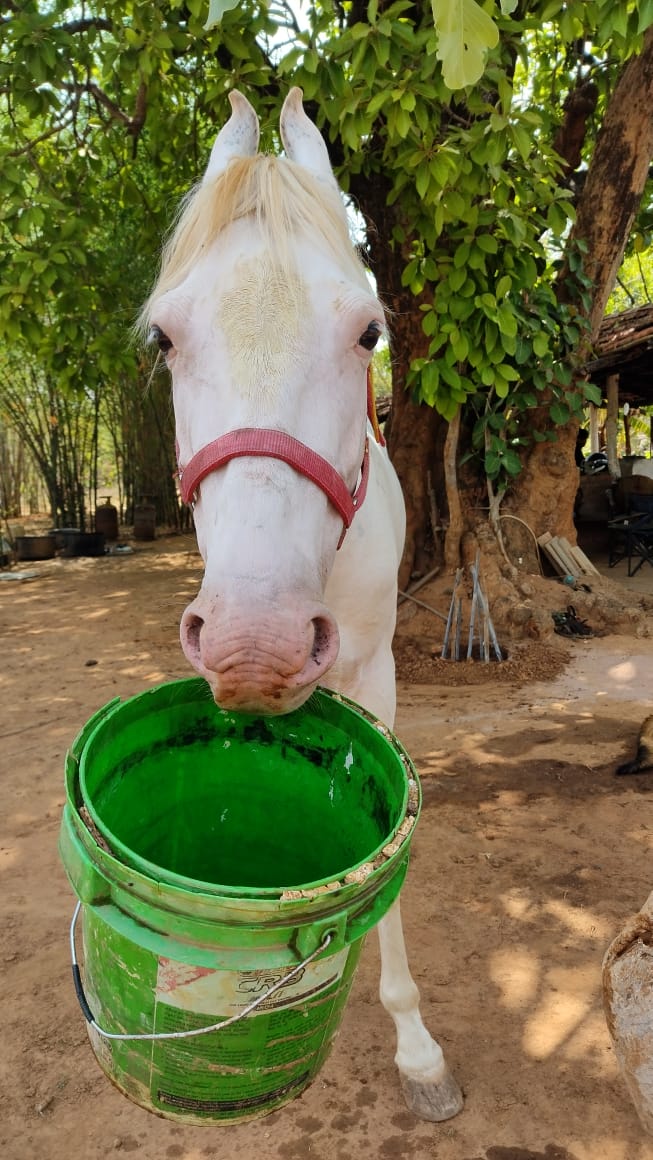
(369,868)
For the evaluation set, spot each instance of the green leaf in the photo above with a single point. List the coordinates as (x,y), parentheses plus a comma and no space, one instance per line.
(378,101)
(217,9)
(511,462)
(560,413)
(557,219)
(592,393)
(429,382)
(461,255)
(491,336)
(460,348)
(645,15)
(448,373)
(457,278)
(563,373)
(523,141)
(465,35)
(507,321)
(492,464)
(540,344)
(430,324)
(440,168)
(487,243)
(422,181)
(507,372)
(455,203)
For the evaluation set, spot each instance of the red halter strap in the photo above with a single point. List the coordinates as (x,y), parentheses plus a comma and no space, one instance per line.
(276,445)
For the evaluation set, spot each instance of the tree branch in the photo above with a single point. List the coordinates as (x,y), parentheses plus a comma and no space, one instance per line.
(100,96)
(83,25)
(43,137)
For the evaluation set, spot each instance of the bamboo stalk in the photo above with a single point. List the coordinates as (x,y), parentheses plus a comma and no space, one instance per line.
(422,604)
(450,617)
(418,584)
(472,615)
(490,627)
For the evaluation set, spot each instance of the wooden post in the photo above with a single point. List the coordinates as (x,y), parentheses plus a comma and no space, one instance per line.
(594,429)
(611,424)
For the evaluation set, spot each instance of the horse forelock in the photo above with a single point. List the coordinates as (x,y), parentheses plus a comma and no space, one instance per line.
(286,202)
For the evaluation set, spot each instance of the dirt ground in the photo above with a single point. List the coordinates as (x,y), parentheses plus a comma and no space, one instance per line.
(528,858)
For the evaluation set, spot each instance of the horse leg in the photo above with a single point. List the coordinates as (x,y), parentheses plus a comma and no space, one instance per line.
(429,1088)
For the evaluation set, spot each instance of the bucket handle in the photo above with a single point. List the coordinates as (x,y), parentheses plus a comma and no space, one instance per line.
(327,937)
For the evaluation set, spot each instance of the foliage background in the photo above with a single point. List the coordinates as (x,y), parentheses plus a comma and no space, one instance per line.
(467,200)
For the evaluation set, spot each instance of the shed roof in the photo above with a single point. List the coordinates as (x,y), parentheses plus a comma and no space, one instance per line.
(625,348)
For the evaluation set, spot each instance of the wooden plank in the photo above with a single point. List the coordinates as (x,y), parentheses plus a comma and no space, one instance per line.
(568,559)
(549,547)
(562,547)
(544,543)
(585,564)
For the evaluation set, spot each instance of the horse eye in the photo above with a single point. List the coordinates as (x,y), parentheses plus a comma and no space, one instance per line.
(163,342)
(370,336)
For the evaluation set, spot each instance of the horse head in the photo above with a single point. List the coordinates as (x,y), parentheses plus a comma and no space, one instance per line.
(267,322)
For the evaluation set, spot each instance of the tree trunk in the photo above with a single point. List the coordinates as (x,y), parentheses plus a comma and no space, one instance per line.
(543,495)
(412,441)
(153,449)
(416,432)
(615,181)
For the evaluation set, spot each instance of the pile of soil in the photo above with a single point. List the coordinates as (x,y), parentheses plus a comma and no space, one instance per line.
(418,663)
(522,608)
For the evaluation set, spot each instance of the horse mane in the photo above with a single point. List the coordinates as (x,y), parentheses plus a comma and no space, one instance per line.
(284,198)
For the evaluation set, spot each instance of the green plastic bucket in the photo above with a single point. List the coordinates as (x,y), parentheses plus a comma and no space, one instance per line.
(228,868)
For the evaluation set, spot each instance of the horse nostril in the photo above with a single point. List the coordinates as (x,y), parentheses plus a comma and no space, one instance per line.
(323,641)
(191,628)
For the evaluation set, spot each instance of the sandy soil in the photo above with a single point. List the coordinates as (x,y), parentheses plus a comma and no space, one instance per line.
(528,858)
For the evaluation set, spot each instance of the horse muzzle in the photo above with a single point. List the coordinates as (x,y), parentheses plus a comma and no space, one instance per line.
(255,662)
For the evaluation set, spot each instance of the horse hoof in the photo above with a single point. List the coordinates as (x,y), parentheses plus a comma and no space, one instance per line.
(434,1100)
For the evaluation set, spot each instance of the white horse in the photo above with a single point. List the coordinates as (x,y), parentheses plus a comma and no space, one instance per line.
(267,322)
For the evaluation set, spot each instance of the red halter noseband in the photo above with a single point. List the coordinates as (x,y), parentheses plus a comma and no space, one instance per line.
(273,444)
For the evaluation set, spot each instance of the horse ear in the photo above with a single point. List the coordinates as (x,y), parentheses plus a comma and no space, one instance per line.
(238,138)
(302,141)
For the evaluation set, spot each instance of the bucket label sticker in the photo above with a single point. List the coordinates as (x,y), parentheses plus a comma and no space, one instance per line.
(204,990)
(251,1066)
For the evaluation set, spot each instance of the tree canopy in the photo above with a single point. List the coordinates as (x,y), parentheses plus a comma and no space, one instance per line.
(468,195)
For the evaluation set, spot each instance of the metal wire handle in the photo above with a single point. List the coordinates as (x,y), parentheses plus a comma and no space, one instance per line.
(327,937)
